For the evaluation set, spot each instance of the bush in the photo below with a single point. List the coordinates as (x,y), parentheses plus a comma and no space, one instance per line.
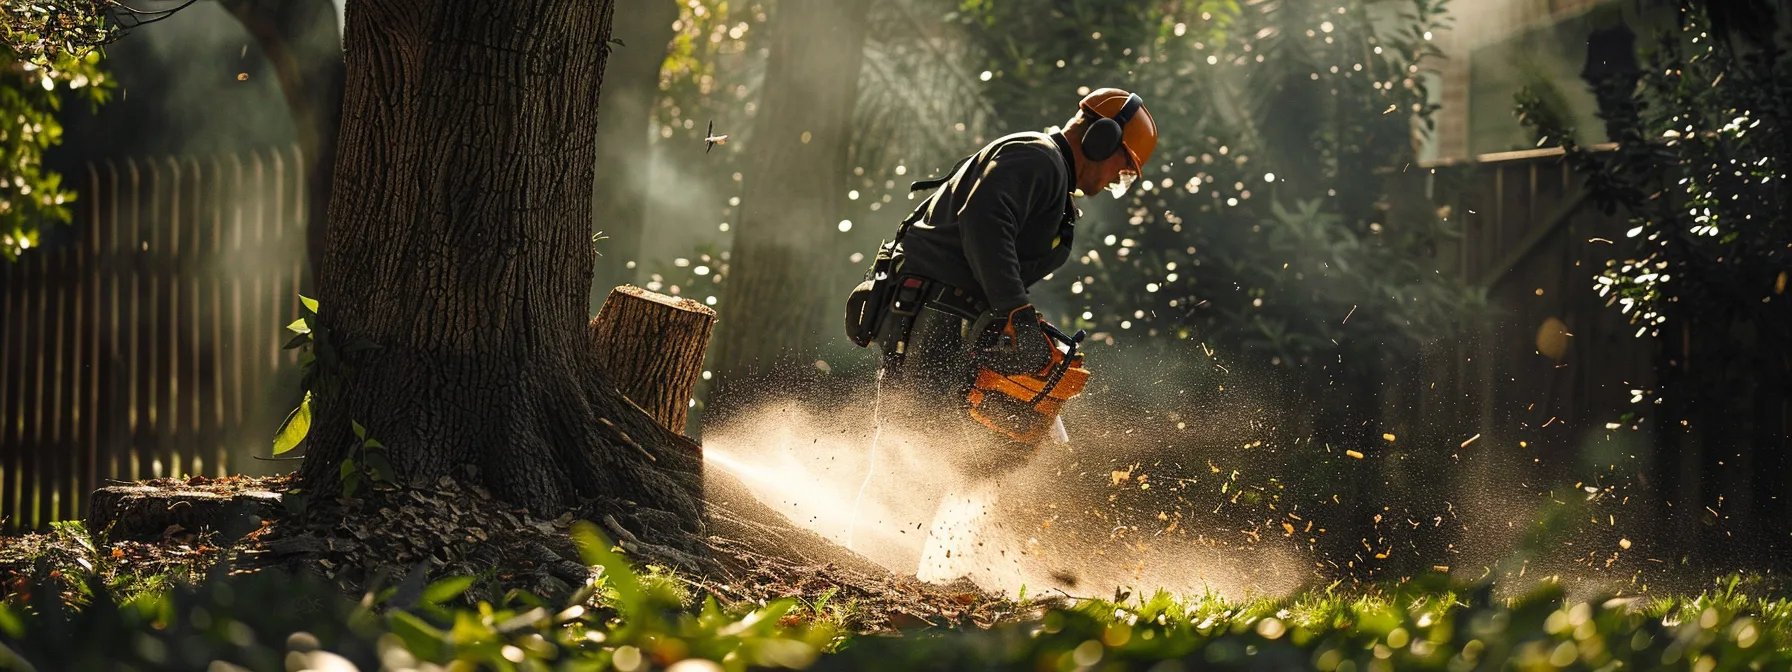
(634,621)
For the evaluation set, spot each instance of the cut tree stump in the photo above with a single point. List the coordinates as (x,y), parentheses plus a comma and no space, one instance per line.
(146,511)
(652,346)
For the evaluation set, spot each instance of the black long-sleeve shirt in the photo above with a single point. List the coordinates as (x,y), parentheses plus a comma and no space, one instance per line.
(1000,223)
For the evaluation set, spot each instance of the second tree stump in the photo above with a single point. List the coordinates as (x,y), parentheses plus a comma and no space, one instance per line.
(652,346)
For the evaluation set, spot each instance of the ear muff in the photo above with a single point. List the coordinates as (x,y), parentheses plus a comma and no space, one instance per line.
(1104,135)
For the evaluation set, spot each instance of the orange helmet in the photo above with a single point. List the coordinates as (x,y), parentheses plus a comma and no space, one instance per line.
(1137,131)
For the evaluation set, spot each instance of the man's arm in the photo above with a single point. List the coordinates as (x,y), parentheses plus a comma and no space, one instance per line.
(1012,184)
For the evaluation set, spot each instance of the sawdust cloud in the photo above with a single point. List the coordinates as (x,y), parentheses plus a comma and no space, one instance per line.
(1065,521)
(1183,487)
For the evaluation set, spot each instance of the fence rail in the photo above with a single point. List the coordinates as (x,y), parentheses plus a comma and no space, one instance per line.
(144,342)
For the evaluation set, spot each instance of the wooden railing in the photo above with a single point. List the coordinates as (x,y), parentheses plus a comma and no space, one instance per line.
(145,341)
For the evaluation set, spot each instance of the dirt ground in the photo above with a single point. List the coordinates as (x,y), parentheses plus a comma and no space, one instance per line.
(167,529)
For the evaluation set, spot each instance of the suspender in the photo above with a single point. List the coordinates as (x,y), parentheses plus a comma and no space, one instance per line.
(926,203)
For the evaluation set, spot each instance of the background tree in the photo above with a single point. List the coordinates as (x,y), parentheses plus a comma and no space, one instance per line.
(778,305)
(302,42)
(299,37)
(455,279)
(632,84)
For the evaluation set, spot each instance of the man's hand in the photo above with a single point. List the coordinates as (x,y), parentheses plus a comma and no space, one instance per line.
(1022,347)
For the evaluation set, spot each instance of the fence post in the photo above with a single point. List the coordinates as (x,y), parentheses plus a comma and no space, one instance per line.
(57,494)
(210,278)
(188,446)
(31,504)
(12,333)
(91,240)
(137,355)
(116,408)
(238,380)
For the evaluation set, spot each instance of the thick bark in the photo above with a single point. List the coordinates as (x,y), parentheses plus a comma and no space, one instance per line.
(631,85)
(652,346)
(779,301)
(303,44)
(460,246)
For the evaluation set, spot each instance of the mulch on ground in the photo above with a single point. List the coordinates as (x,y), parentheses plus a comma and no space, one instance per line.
(176,528)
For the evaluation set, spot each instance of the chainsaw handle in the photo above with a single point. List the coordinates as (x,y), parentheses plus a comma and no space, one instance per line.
(1064,364)
(1059,336)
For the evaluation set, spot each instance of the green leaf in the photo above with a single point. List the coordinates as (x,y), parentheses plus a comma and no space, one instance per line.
(11,624)
(446,589)
(360,432)
(594,549)
(351,483)
(348,468)
(297,425)
(421,638)
(378,468)
(618,42)
(299,326)
(469,629)
(297,341)
(310,303)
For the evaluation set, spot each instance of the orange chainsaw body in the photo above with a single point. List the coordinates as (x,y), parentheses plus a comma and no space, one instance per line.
(1023,407)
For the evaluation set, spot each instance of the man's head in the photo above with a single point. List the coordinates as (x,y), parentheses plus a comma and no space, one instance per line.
(1113,137)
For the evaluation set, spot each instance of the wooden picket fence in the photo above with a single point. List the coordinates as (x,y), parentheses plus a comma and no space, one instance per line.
(144,341)
(1533,241)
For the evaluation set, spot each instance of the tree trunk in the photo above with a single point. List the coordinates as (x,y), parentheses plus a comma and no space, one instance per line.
(304,46)
(631,85)
(460,247)
(652,346)
(779,300)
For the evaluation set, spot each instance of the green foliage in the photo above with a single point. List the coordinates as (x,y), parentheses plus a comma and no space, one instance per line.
(1273,207)
(1424,626)
(307,331)
(320,366)
(1700,170)
(629,620)
(75,563)
(709,48)
(366,461)
(44,32)
(621,619)
(31,94)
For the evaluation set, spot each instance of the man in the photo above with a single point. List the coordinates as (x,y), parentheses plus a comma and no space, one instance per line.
(1000,222)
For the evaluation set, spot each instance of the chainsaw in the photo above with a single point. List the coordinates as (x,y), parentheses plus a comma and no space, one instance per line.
(1024,407)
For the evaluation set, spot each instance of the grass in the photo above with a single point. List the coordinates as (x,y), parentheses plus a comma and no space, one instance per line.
(636,620)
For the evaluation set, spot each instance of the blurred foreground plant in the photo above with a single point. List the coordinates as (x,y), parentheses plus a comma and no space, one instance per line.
(628,620)
(621,619)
